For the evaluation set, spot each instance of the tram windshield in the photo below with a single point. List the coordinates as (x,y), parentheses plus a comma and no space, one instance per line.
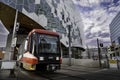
(48,44)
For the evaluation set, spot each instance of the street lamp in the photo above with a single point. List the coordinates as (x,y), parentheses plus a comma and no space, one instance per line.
(13,42)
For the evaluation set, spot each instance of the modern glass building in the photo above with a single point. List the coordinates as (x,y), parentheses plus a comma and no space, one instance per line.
(115,29)
(114,50)
(55,15)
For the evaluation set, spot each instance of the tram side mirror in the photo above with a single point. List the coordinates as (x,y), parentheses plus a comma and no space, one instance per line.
(26,43)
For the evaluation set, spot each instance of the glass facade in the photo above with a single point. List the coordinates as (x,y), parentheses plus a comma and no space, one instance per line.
(119,40)
(115,29)
(54,15)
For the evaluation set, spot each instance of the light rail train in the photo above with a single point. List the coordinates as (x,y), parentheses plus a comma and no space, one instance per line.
(41,50)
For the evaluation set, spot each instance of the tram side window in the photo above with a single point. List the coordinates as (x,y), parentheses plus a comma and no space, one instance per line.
(33,44)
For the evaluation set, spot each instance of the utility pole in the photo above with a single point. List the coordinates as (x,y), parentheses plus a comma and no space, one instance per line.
(69,37)
(13,42)
(99,53)
(88,52)
(116,56)
(108,66)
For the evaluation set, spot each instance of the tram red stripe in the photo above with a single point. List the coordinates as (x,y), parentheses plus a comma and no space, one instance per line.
(29,60)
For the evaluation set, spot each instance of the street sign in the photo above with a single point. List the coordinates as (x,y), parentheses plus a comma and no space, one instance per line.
(112,61)
(14,42)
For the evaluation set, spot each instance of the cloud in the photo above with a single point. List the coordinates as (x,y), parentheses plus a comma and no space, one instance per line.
(96,16)
(95,30)
(88,24)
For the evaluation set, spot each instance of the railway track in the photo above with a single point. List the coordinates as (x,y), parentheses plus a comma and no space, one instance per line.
(101,75)
(57,76)
(52,75)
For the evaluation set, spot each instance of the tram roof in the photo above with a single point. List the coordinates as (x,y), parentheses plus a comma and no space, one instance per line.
(41,31)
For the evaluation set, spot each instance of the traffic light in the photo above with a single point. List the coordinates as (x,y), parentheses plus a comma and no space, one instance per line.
(101,44)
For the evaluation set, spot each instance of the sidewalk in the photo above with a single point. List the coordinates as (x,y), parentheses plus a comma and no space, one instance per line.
(5,75)
(79,68)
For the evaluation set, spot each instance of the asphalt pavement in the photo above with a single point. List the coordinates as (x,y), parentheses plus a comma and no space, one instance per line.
(66,73)
(5,75)
(21,74)
(88,73)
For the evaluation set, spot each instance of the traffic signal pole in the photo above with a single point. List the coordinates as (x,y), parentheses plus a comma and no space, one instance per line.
(100,65)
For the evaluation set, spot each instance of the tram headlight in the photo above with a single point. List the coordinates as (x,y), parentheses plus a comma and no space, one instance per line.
(41,58)
(57,58)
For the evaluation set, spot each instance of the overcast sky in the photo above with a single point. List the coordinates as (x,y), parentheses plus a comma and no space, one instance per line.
(96,16)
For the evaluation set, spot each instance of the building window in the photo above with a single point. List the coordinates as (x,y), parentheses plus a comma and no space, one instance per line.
(26,3)
(13,1)
(119,40)
(62,13)
(60,22)
(32,7)
(55,11)
(19,2)
(110,56)
(26,8)
(12,4)
(19,7)
(6,1)
(113,54)
(67,19)
(62,16)
(38,9)
(117,54)
(31,1)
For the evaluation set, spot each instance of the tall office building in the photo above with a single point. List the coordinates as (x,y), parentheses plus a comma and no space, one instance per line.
(55,15)
(115,29)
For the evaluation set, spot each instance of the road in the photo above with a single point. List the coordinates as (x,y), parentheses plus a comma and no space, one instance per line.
(66,74)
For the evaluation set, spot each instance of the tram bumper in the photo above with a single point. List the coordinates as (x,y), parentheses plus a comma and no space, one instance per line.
(53,67)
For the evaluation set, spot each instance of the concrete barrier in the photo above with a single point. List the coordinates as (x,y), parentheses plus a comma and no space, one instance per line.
(81,62)
(6,64)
